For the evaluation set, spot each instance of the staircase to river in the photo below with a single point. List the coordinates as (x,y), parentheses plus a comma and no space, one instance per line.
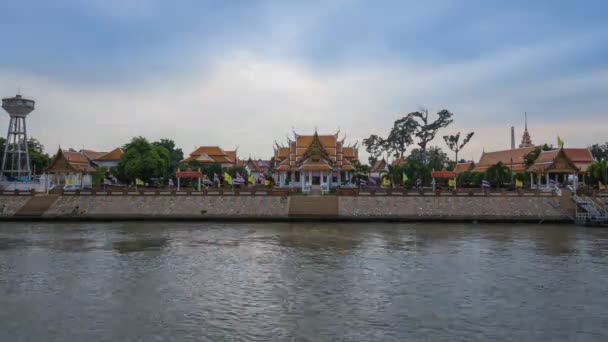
(36,206)
(590,212)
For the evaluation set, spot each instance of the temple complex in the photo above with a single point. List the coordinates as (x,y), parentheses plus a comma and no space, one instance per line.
(314,161)
(213,154)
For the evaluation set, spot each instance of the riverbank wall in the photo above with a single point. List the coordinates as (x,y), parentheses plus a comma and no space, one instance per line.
(403,207)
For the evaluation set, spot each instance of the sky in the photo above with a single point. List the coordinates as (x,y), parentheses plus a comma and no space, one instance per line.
(247,73)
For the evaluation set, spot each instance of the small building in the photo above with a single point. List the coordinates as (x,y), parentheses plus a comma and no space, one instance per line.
(464,167)
(109,159)
(213,154)
(315,160)
(69,167)
(560,162)
(379,167)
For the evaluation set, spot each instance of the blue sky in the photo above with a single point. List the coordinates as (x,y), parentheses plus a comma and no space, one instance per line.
(243,73)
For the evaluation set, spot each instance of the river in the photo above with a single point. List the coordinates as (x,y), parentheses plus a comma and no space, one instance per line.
(302,282)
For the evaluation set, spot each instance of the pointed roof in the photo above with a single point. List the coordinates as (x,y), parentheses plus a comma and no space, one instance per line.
(316,151)
(553,161)
(69,161)
(378,166)
(526,141)
(92,155)
(113,155)
(464,167)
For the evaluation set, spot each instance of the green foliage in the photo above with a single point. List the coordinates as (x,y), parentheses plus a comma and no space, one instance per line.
(414,170)
(498,174)
(144,160)
(599,152)
(530,158)
(598,171)
(39,160)
(401,136)
(177,155)
(425,130)
(434,158)
(99,174)
(374,146)
(454,144)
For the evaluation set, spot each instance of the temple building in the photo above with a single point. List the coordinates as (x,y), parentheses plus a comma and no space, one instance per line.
(311,161)
(562,162)
(69,167)
(213,154)
(378,168)
(464,167)
(109,159)
(513,159)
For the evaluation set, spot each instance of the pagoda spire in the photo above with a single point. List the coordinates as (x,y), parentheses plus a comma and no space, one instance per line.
(526,141)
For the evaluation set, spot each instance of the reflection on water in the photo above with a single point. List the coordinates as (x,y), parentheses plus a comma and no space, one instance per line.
(303,282)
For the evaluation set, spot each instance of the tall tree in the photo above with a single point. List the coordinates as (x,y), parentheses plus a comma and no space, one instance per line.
(498,174)
(454,144)
(374,146)
(143,160)
(435,158)
(177,155)
(401,136)
(426,130)
(599,152)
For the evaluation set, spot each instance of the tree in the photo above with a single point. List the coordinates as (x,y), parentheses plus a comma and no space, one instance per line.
(401,136)
(435,158)
(426,131)
(599,152)
(143,160)
(598,172)
(177,155)
(39,160)
(453,142)
(498,174)
(374,146)
(530,158)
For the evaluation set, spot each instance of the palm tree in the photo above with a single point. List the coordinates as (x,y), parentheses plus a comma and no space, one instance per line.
(498,174)
(453,142)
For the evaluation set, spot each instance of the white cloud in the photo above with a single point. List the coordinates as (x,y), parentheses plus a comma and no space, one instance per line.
(249,100)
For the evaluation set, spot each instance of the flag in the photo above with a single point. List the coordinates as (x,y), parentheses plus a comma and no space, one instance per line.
(485,184)
(227,178)
(68,181)
(551,183)
(139,181)
(451,183)
(371,180)
(519,184)
(267,182)
(239,180)
(216,178)
(601,186)
(386,182)
(251,179)
(261,178)
(560,142)
(404,178)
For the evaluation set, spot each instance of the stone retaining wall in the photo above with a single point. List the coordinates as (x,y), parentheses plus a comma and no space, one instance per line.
(452,207)
(508,208)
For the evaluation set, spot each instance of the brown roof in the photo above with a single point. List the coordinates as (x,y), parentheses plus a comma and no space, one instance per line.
(349,152)
(113,155)
(69,161)
(92,155)
(464,167)
(212,154)
(553,161)
(399,161)
(378,166)
(231,156)
(506,156)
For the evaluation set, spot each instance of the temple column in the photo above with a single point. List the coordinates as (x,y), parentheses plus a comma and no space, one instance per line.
(310,177)
(547,177)
(531,181)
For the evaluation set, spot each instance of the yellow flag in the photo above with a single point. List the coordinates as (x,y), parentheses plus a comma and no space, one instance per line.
(139,181)
(560,142)
(251,179)
(451,183)
(601,186)
(267,182)
(386,182)
(404,178)
(519,184)
(68,181)
(227,178)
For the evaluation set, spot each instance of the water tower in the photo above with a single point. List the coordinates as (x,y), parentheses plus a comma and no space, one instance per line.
(16,159)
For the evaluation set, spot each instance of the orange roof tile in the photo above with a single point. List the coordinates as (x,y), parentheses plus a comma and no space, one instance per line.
(92,155)
(113,155)
(464,167)
(209,150)
(516,155)
(231,156)
(550,160)
(378,166)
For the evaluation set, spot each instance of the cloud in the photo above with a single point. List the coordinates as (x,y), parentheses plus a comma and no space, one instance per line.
(246,98)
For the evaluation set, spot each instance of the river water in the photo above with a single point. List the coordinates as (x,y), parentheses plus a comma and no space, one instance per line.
(302,282)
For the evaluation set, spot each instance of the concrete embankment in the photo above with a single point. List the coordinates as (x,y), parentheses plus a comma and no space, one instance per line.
(287,208)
